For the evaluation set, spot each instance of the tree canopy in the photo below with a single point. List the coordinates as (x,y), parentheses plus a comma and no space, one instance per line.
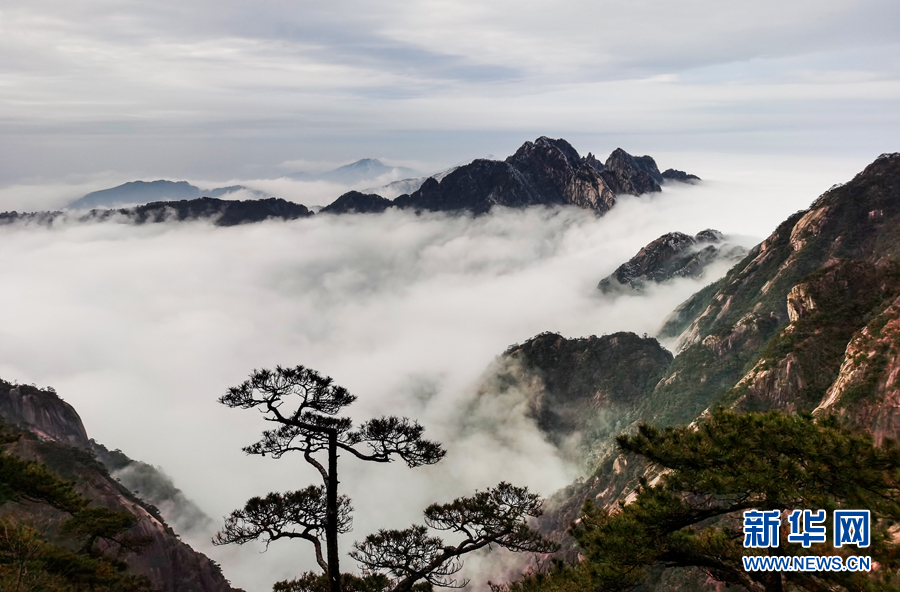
(706,475)
(77,557)
(306,407)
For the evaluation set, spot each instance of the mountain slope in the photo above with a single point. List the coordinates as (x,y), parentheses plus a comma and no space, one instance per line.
(808,321)
(54,435)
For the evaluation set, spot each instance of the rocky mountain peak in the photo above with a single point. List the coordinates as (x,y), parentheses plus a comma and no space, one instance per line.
(355,201)
(674,254)
(634,175)
(43,413)
(592,162)
(545,172)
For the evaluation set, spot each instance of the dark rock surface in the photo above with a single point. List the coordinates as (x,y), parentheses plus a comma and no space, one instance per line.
(360,203)
(629,174)
(545,172)
(672,255)
(676,175)
(43,413)
(589,386)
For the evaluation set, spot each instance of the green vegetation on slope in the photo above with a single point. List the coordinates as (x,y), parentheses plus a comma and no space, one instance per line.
(690,519)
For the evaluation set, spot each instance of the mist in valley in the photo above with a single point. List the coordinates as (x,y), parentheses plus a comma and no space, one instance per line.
(142,328)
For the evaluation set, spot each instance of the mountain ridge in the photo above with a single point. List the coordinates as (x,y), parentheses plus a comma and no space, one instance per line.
(545,172)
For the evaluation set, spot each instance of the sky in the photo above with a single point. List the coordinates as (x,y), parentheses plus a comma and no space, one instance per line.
(101,91)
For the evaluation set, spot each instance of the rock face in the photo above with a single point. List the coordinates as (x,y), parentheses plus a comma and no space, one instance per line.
(580,386)
(672,255)
(544,172)
(220,211)
(635,175)
(43,413)
(54,435)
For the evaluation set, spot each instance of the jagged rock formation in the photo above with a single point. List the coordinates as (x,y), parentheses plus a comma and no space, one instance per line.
(356,202)
(544,172)
(143,192)
(220,211)
(634,175)
(53,434)
(672,255)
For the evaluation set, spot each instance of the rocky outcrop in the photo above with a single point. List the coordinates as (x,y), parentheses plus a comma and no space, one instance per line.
(634,175)
(589,387)
(53,434)
(43,413)
(866,391)
(545,172)
(220,212)
(672,255)
(676,175)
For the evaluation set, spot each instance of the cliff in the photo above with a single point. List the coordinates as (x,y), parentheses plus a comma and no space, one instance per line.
(582,391)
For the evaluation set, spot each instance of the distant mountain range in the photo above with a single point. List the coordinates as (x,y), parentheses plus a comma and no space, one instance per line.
(222,212)
(367,169)
(545,172)
(143,192)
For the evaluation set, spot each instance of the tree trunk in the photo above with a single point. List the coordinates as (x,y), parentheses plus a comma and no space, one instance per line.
(331,514)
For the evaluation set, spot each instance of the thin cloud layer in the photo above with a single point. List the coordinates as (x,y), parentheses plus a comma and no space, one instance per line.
(142,328)
(233,88)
